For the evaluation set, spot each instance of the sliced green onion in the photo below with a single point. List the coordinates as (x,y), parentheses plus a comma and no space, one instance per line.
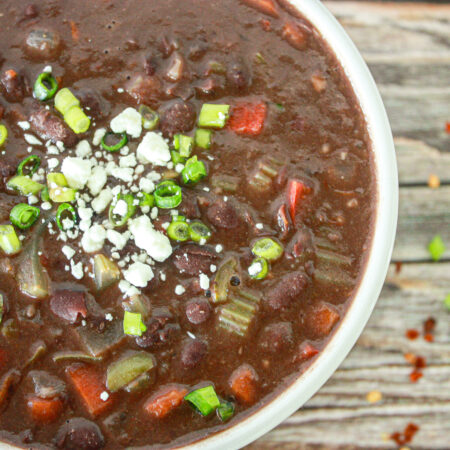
(25,185)
(23,215)
(267,248)
(65,100)
(193,171)
(167,195)
(259,268)
(56,179)
(45,86)
(118,220)
(205,400)
(63,209)
(45,197)
(203,138)
(3,134)
(32,159)
(225,411)
(132,324)
(436,248)
(177,158)
(184,144)
(199,231)
(77,120)
(178,231)
(150,118)
(146,199)
(61,194)
(120,139)
(9,242)
(214,116)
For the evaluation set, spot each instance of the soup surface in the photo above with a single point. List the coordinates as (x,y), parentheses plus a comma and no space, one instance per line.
(187,197)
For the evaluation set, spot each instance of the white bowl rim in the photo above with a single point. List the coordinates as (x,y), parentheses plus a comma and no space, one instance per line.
(301,390)
(385,224)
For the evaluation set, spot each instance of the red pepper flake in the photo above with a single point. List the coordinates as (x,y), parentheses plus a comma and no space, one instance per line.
(415,376)
(428,337)
(429,325)
(266,25)
(412,334)
(398,267)
(419,362)
(407,436)
(447,127)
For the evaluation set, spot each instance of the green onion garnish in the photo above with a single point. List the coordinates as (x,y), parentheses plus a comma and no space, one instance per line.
(259,269)
(120,140)
(167,195)
(25,185)
(132,324)
(184,144)
(214,116)
(177,158)
(199,231)
(45,197)
(146,199)
(122,209)
(205,400)
(203,138)
(63,210)
(56,179)
(23,215)
(436,248)
(225,411)
(268,249)
(58,190)
(35,162)
(77,120)
(3,134)
(45,86)
(9,242)
(65,100)
(447,302)
(193,171)
(150,118)
(178,230)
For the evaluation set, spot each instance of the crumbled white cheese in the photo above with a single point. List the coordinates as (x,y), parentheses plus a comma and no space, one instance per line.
(46,206)
(109,317)
(98,136)
(97,180)
(179,168)
(138,274)
(128,161)
(156,244)
(219,248)
(204,281)
(119,240)
(100,202)
(126,288)
(104,396)
(254,269)
(47,69)
(32,140)
(32,200)
(121,208)
(69,252)
(146,185)
(123,173)
(259,226)
(128,121)
(212,268)
(153,149)
(85,213)
(77,171)
(83,149)
(52,150)
(179,289)
(77,270)
(52,163)
(93,239)
(24,125)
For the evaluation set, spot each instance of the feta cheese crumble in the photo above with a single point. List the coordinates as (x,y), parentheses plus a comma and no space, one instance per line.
(153,149)
(138,274)
(128,121)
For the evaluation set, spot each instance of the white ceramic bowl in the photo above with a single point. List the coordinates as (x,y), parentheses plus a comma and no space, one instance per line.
(366,297)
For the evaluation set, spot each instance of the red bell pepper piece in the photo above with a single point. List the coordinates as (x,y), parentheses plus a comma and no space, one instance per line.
(265,6)
(296,191)
(248,118)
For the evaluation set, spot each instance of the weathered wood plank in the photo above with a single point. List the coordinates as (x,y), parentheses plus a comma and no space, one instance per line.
(423,213)
(339,416)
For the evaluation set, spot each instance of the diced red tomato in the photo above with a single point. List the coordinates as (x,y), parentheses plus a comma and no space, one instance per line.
(244,384)
(88,382)
(296,191)
(248,118)
(45,410)
(165,401)
(265,6)
(306,351)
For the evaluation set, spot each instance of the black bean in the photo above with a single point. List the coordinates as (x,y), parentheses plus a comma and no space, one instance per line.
(286,290)
(177,116)
(276,337)
(192,353)
(198,311)
(69,304)
(238,76)
(223,214)
(235,281)
(79,434)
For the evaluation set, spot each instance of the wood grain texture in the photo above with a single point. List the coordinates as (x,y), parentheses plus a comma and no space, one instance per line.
(407,48)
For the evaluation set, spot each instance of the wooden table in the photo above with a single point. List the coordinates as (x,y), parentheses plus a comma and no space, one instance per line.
(407,47)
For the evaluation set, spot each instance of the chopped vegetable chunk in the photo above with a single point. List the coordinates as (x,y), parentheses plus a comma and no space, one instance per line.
(165,401)
(248,119)
(244,384)
(45,410)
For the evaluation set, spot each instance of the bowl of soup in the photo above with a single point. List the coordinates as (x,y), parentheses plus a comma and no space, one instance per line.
(198,203)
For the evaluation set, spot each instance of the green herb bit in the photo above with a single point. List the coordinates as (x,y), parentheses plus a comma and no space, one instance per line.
(45,86)
(146,200)
(9,242)
(167,195)
(132,324)
(198,231)
(213,116)
(3,134)
(205,400)
(23,215)
(25,185)
(177,158)
(32,160)
(65,209)
(436,248)
(193,171)
(268,249)
(225,411)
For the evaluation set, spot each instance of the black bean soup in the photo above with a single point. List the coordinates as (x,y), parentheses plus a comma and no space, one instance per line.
(187,198)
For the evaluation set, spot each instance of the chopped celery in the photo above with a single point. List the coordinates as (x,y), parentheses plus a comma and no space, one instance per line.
(214,116)
(203,138)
